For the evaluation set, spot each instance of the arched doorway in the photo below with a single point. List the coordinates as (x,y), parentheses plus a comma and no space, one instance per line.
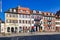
(20,29)
(8,29)
(15,29)
(12,29)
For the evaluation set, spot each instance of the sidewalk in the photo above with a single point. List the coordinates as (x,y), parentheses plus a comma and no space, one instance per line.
(29,34)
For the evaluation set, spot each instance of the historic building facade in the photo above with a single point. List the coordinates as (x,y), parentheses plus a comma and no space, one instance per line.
(49,21)
(21,19)
(57,23)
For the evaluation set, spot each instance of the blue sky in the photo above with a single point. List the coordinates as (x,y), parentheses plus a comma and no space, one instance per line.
(42,5)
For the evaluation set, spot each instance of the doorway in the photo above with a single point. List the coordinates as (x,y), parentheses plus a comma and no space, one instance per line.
(15,29)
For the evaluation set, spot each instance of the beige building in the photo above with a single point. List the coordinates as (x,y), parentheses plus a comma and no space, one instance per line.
(16,18)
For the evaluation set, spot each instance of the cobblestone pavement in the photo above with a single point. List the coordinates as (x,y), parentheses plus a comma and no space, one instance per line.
(29,34)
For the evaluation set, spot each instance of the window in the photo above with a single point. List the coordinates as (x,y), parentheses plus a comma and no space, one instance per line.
(49,22)
(45,23)
(29,21)
(7,15)
(15,28)
(32,16)
(24,16)
(8,21)
(16,21)
(13,21)
(26,21)
(28,16)
(19,16)
(16,15)
(13,15)
(19,21)
(10,15)
(32,22)
(57,22)
(45,17)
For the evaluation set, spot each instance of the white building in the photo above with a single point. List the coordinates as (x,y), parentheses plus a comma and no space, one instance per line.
(2,27)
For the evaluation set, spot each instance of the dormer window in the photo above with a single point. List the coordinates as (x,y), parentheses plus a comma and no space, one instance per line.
(27,12)
(14,10)
(10,10)
(34,11)
(21,11)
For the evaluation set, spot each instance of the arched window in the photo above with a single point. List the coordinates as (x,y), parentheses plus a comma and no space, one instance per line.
(12,29)
(15,28)
(8,29)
